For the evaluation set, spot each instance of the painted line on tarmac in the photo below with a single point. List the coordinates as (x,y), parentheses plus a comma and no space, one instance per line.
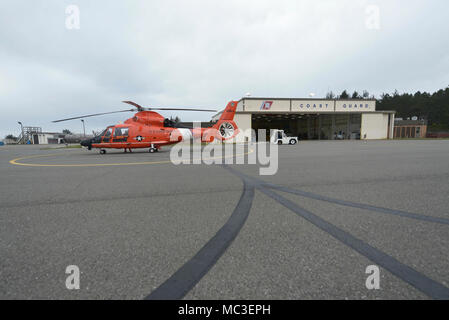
(17,163)
(183,280)
(418,280)
(395,212)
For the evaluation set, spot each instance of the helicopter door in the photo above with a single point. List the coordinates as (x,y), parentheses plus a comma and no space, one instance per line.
(107,136)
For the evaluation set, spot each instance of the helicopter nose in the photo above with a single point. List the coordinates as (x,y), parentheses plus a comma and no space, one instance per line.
(86,143)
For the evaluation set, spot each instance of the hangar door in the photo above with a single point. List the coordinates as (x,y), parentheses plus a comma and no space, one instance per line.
(285,122)
(310,126)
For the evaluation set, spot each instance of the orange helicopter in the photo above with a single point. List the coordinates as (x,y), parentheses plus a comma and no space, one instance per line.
(148,129)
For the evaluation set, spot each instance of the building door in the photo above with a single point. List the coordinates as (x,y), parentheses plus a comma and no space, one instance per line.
(418,132)
(36,139)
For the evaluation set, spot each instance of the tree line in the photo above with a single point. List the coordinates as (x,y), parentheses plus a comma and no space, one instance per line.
(433,107)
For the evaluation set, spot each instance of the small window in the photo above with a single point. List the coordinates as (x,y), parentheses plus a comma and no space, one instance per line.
(121,132)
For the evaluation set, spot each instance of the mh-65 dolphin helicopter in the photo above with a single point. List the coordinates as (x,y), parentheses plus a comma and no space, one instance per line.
(148,129)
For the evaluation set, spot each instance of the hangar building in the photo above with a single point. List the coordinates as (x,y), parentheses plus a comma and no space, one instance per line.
(313,119)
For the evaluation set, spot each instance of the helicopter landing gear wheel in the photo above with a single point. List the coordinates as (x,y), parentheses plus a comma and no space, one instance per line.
(153,149)
(102,151)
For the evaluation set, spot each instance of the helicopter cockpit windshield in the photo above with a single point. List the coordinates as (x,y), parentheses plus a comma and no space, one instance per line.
(102,133)
(105,135)
(169,123)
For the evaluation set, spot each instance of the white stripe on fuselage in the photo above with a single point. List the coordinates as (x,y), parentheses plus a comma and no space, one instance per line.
(186,134)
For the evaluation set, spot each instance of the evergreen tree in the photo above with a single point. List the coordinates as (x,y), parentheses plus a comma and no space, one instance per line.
(433,107)
(330,95)
(344,95)
(365,94)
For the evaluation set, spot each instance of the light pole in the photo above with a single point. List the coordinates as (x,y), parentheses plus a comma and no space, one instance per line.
(21,129)
(84,128)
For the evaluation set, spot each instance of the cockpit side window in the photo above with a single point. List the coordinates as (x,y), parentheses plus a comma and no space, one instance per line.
(121,132)
(121,135)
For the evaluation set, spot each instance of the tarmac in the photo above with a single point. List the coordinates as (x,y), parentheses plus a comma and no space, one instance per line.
(139,227)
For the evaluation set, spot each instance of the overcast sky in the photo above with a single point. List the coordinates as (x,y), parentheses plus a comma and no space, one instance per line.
(205,53)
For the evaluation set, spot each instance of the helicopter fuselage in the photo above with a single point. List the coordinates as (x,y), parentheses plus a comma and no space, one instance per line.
(148,129)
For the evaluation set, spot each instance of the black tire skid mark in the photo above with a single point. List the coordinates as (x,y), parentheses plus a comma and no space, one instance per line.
(186,277)
(418,280)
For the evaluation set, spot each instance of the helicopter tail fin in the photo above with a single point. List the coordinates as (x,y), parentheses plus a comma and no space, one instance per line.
(229,111)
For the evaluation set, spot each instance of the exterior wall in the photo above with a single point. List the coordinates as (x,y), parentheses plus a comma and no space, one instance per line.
(266,105)
(424,131)
(374,126)
(305,105)
(240,106)
(313,106)
(410,131)
(355,105)
(46,138)
(42,138)
(243,122)
(391,136)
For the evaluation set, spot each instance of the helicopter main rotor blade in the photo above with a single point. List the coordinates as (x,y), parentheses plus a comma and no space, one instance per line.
(181,109)
(94,115)
(140,108)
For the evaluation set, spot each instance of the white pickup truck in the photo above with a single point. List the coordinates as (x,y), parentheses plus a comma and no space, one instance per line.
(279,137)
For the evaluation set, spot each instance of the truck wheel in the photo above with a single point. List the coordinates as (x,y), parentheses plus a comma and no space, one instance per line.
(279,142)
(292,141)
